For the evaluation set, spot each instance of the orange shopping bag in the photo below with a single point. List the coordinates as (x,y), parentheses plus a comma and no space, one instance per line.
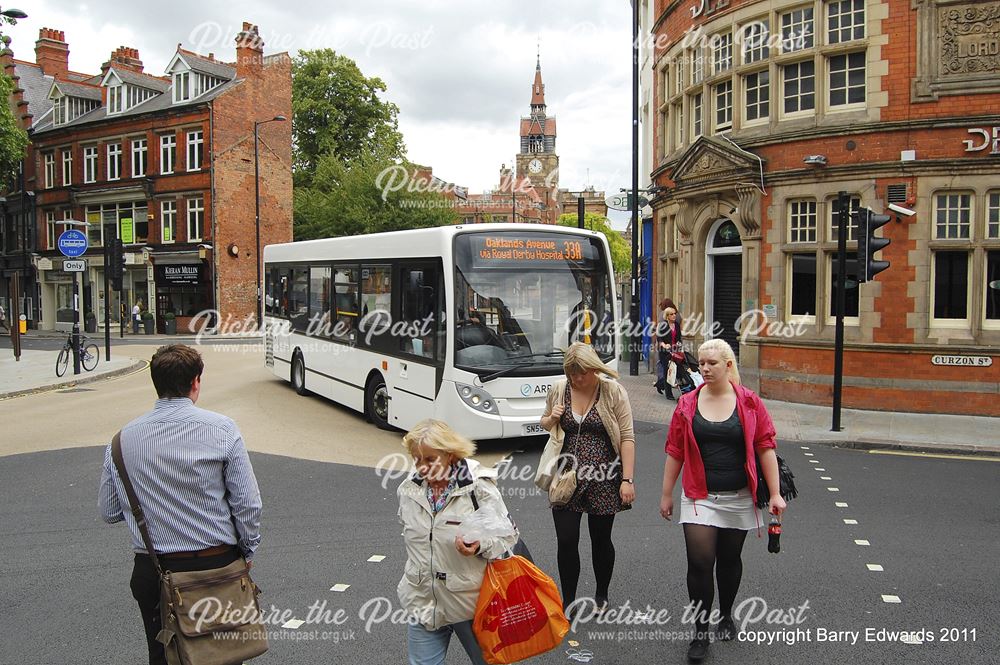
(519,613)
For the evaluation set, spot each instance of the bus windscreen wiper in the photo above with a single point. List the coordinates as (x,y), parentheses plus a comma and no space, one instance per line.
(507,370)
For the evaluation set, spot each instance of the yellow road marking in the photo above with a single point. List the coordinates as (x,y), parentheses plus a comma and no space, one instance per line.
(971,458)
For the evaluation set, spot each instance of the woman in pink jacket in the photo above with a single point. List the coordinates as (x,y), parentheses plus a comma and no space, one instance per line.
(716,434)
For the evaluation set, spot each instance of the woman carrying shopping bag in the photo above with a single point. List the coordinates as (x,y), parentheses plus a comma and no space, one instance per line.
(443,574)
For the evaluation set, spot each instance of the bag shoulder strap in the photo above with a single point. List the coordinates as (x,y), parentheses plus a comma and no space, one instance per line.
(133,500)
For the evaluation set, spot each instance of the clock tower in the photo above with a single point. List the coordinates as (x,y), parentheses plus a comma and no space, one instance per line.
(537,159)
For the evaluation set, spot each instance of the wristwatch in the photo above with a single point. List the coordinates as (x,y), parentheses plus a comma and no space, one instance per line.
(628,480)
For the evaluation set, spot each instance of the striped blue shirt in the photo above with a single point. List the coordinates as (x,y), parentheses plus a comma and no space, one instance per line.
(192,476)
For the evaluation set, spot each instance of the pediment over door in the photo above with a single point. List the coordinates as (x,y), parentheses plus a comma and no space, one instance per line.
(715,164)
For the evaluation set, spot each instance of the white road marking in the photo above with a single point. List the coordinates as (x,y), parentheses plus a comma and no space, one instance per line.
(850,521)
(840,504)
(890,599)
(833,489)
(808,454)
(817,468)
(863,543)
(903,453)
(814,461)
(825,478)
(375,558)
(874,567)
(340,588)
(292,623)
(805,447)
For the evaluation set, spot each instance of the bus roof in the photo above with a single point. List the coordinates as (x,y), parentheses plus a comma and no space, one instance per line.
(417,243)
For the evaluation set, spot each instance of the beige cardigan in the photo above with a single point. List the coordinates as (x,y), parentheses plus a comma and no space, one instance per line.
(613,407)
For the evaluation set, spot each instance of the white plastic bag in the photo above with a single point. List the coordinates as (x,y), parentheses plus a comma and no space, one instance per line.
(483,524)
(696,378)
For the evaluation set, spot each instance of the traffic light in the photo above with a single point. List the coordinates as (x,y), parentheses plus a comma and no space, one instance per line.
(116,264)
(867,223)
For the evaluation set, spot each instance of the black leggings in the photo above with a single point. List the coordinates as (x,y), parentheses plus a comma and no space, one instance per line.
(709,548)
(603,550)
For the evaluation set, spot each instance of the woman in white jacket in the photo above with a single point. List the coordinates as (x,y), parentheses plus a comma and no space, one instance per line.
(442,576)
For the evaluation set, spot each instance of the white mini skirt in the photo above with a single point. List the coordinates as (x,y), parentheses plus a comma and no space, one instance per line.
(725,510)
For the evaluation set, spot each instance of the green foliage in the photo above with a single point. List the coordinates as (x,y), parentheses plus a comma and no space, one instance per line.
(621,253)
(336,110)
(344,137)
(345,199)
(13,139)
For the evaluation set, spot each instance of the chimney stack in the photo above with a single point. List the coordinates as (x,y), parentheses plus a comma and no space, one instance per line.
(124,57)
(52,53)
(249,52)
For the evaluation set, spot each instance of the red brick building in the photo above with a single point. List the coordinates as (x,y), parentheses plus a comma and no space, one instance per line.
(164,162)
(764,111)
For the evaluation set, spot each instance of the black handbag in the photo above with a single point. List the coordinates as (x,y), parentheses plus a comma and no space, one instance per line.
(786,481)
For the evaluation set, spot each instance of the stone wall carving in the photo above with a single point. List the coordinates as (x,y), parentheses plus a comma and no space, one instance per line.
(958,48)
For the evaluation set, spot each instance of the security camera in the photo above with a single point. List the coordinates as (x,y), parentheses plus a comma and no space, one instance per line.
(901,210)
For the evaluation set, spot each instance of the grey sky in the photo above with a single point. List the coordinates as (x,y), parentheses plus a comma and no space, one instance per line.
(459,71)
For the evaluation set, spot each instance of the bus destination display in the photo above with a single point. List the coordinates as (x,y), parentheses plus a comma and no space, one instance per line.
(535,250)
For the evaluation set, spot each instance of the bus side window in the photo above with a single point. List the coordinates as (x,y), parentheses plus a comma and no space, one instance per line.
(345,303)
(375,323)
(298,299)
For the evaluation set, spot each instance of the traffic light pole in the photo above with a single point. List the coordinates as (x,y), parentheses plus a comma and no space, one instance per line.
(107,304)
(843,205)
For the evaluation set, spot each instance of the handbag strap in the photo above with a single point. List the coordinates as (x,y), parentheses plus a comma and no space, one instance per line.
(133,500)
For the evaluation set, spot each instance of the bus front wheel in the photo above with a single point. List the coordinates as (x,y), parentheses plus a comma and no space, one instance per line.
(299,375)
(377,402)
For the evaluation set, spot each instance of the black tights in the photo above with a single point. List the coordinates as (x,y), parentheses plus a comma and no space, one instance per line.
(709,548)
(603,550)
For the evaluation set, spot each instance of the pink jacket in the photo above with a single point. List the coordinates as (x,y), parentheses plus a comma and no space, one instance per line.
(758,433)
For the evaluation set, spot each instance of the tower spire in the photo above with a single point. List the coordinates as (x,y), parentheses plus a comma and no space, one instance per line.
(538,88)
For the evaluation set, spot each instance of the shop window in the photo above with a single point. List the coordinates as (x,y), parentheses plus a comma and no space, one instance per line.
(992,295)
(951,285)
(851,293)
(802,290)
(953,215)
(802,221)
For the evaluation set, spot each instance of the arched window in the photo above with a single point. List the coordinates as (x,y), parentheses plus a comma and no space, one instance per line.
(727,235)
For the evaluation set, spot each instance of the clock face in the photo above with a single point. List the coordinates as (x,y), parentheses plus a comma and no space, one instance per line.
(535,166)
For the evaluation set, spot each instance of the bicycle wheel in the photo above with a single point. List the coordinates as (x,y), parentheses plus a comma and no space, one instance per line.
(62,362)
(91,354)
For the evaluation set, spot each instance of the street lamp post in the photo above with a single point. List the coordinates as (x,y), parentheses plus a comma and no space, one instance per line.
(256,191)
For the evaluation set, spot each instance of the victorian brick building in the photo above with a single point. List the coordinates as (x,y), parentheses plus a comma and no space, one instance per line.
(763,112)
(163,162)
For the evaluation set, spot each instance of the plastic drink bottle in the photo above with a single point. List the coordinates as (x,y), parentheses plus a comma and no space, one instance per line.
(774,535)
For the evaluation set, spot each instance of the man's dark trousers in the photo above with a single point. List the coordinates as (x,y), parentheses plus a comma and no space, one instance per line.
(146,590)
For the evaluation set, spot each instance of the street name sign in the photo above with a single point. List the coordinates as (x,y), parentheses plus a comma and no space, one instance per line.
(72,243)
(963,361)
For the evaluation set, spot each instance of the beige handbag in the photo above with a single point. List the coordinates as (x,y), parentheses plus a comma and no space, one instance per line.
(208,617)
(549,462)
(563,468)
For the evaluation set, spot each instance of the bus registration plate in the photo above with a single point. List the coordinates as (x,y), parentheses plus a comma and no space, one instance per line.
(532,429)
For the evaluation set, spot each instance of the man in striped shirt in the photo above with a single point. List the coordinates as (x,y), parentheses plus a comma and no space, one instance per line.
(193,479)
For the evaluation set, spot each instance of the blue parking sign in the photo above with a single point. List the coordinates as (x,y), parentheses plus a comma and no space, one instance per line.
(72,243)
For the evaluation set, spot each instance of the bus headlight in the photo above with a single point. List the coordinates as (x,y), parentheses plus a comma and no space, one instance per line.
(477,398)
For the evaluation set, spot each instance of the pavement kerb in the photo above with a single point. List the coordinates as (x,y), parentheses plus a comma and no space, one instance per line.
(911,447)
(136,366)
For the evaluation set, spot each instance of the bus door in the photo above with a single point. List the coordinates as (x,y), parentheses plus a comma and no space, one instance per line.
(414,376)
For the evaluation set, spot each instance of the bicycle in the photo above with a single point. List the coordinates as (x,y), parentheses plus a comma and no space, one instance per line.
(89,355)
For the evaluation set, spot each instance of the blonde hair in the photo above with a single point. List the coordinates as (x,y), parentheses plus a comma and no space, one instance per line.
(437,435)
(581,357)
(722,347)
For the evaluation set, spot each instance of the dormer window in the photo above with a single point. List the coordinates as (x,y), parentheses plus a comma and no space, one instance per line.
(115,99)
(182,86)
(66,109)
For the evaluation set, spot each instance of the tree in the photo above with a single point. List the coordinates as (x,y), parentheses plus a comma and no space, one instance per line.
(621,253)
(13,139)
(346,199)
(337,111)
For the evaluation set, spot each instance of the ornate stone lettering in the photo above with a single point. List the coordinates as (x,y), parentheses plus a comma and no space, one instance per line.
(958,48)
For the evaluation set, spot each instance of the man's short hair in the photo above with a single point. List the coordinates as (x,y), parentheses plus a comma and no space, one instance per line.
(174,368)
